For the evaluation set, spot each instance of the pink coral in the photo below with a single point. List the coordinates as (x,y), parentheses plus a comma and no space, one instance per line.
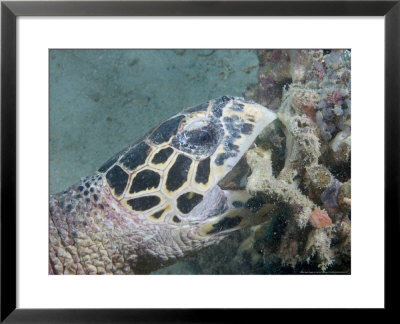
(319,218)
(305,104)
(335,97)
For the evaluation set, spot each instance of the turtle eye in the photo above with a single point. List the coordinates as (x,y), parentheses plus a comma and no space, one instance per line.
(199,141)
(199,137)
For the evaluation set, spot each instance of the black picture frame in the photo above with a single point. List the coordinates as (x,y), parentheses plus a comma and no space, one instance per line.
(10,10)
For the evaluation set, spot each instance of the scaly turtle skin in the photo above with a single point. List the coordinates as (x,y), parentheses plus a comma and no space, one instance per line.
(165,197)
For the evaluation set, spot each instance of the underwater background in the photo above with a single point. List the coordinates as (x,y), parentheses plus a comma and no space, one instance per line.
(101,101)
(104,100)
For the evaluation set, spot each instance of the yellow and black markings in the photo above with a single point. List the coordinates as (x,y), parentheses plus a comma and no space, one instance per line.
(166,130)
(143,203)
(203,171)
(178,173)
(117,179)
(145,180)
(136,156)
(162,155)
(188,201)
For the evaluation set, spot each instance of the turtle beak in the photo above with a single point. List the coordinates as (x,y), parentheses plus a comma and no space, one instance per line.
(243,121)
(242,210)
(236,179)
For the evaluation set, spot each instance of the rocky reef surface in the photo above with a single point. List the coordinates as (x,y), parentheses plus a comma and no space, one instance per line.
(301,164)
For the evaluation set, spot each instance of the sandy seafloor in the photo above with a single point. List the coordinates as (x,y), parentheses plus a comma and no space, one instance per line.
(104,100)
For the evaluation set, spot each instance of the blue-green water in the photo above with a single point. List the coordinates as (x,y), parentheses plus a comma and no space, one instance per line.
(104,100)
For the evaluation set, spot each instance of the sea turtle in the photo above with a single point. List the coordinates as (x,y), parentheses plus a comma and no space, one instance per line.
(177,190)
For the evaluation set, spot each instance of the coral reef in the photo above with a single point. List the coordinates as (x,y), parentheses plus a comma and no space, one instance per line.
(314,183)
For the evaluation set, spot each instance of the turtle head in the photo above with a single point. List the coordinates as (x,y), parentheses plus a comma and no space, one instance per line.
(217,135)
(184,181)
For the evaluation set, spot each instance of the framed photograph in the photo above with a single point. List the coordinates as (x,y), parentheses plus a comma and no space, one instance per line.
(177,155)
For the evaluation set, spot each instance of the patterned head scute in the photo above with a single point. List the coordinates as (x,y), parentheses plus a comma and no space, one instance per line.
(164,132)
(173,175)
(117,179)
(136,156)
(178,173)
(145,180)
(203,171)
